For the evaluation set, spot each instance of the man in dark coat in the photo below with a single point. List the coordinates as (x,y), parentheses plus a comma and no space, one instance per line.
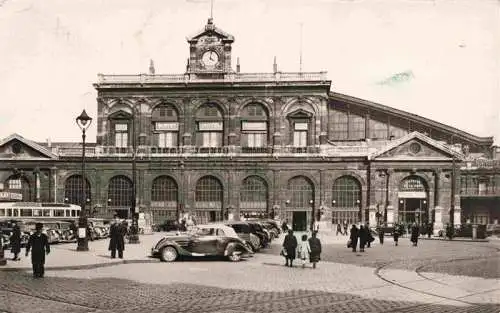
(380,231)
(290,246)
(354,237)
(414,234)
(315,245)
(363,238)
(39,245)
(396,234)
(15,242)
(116,242)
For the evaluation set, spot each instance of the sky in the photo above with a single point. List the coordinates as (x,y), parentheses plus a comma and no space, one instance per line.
(438,59)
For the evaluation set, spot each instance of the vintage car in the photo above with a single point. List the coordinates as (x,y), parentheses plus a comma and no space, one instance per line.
(244,232)
(201,241)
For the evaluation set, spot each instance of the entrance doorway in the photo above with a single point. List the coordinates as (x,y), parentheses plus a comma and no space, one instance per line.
(299,221)
(213,216)
(413,210)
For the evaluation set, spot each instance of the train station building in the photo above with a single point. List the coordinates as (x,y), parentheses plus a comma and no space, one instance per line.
(217,143)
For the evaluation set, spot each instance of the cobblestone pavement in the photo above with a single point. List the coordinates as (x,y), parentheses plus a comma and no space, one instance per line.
(370,282)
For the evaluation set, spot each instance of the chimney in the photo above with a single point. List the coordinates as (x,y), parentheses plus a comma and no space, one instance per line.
(49,142)
(275,65)
(151,67)
(237,64)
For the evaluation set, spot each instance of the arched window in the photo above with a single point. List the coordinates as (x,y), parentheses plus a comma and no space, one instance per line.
(165,126)
(254,127)
(164,192)
(208,196)
(19,184)
(210,126)
(120,192)
(301,192)
(254,193)
(346,200)
(73,190)
(346,192)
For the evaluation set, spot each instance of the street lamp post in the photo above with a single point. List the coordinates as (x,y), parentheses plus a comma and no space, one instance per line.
(313,214)
(134,230)
(83,121)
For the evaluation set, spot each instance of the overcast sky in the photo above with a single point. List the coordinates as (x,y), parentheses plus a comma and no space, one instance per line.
(438,59)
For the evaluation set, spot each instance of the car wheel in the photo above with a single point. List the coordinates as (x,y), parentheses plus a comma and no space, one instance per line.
(234,257)
(168,254)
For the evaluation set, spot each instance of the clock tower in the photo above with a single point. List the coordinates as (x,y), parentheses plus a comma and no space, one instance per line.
(210,52)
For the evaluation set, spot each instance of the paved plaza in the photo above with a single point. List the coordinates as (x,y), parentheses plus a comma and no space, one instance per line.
(436,276)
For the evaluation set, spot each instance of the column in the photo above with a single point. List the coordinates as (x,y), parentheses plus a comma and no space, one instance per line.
(391,215)
(438,210)
(372,183)
(36,172)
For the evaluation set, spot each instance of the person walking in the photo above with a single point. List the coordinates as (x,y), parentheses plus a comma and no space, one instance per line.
(289,248)
(369,237)
(380,231)
(430,230)
(315,245)
(395,234)
(15,242)
(363,238)
(304,250)
(345,228)
(284,226)
(339,229)
(117,241)
(38,243)
(354,237)
(414,234)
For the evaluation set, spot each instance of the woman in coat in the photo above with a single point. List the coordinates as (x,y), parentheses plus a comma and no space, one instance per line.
(414,234)
(363,238)
(354,237)
(15,242)
(290,246)
(315,245)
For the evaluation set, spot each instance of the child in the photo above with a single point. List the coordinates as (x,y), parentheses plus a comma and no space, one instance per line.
(304,250)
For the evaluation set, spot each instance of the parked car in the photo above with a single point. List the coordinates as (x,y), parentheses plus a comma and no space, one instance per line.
(258,230)
(169,225)
(244,231)
(202,241)
(493,229)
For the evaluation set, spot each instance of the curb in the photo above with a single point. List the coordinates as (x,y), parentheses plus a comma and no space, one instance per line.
(455,239)
(80,267)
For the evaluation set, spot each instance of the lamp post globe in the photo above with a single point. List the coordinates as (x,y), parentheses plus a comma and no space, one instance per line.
(83,121)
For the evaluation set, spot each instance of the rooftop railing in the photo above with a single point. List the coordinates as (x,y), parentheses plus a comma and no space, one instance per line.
(227,77)
(229,151)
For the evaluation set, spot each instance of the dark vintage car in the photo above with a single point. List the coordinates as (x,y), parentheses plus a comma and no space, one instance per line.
(244,231)
(202,241)
(258,230)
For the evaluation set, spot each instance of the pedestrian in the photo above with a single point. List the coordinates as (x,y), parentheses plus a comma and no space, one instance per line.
(289,248)
(38,243)
(284,226)
(116,235)
(15,242)
(380,231)
(345,228)
(354,238)
(396,233)
(304,250)
(363,238)
(315,245)
(430,230)
(339,229)
(414,234)
(369,236)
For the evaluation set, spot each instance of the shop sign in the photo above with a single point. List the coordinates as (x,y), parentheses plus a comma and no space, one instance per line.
(412,194)
(4,195)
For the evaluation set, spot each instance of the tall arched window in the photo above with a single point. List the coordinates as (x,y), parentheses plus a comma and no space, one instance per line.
(413,201)
(165,126)
(301,192)
(19,184)
(73,190)
(254,127)
(254,194)
(120,192)
(164,192)
(210,126)
(346,200)
(208,196)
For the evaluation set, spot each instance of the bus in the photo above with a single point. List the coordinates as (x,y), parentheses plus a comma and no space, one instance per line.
(39,211)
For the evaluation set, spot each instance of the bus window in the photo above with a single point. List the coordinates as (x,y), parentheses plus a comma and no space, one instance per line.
(77,213)
(73,213)
(26,212)
(58,213)
(37,212)
(15,212)
(46,212)
(2,212)
(68,213)
(9,212)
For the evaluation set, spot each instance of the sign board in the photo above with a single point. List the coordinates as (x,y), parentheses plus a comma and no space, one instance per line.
(412,194)
(4,195)
(82,232)
(254,126)
(167,126)
(301,126)
(208,126)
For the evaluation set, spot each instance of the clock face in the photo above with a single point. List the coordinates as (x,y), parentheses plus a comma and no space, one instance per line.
(210,58)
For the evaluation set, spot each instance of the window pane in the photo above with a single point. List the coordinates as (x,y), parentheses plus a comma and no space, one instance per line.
(356,127)
(339,122)
(301,192)
(378,130)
